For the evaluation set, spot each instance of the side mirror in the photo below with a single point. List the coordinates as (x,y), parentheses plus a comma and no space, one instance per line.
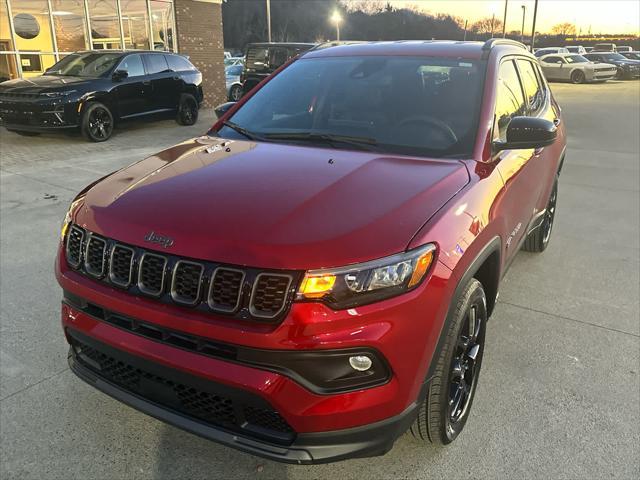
(528,132)
(119,75)
(222,108)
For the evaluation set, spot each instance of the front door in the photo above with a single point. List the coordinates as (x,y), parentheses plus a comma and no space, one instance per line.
(164,82)
(133,92)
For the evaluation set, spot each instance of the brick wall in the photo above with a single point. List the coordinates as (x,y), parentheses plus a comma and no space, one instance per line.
(199,35)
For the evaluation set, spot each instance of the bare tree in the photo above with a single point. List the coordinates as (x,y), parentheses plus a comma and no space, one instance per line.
(487,25)
(565,29)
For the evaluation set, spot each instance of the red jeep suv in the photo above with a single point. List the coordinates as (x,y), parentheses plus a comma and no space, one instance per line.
(313,277)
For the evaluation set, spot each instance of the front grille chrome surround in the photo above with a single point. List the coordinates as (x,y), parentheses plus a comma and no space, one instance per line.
(146,276)
(240,292)
(95,256)
(179,291)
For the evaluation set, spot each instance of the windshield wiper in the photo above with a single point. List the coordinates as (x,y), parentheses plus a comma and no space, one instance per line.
(365,143)
(242,131)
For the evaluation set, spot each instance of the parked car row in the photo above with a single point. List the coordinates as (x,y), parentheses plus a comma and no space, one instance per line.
(596,66)
(91,91)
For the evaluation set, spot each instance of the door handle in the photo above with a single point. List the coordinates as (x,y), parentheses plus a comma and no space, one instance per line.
(146,82)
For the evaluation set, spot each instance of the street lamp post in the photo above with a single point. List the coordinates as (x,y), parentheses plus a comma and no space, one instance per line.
(337,18)
(465,30)
(524,13)
(533,29)
(493,21)
(269,20)
(504,22)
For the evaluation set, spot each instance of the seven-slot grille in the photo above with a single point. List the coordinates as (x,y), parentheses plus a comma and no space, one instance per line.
(241,292)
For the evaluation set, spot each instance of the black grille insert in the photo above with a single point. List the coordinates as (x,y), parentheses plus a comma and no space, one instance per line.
(121,266)
(225,289)
(176,391)
(151,274)
(74,246)
(187,279)
(94,256)
(269,294)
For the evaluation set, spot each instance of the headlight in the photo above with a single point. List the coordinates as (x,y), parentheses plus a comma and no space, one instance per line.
(58,94)
(68,217)
(368,282)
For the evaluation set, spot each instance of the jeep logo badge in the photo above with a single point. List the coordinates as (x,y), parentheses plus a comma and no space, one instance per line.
(153,237)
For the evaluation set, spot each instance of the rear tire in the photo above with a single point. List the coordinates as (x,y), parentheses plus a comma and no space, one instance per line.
(445,410)
(538,239)
(577,77)
(187,110)
(235,93)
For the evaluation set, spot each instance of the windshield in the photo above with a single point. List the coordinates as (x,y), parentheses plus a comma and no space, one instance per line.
(576,59)
(613,56)
(407,105)
(88,64)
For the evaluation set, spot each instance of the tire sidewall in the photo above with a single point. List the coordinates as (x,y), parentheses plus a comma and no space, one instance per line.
(577,77)
(235,88)
(186,97)
(85,121)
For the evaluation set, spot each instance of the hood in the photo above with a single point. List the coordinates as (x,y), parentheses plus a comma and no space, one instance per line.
(43,83)
(271,205)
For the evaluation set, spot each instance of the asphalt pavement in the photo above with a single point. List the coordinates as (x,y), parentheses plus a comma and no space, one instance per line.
(559,394)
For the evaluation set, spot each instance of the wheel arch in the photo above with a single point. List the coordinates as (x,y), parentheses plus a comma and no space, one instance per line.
(103,97)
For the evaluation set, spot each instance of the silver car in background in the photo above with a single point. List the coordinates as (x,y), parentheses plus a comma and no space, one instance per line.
(575,68)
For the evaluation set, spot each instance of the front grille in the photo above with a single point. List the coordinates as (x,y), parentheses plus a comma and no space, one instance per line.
(242,292)
(187,279)
(94,257)
(269,294)
(199,399)
(151,274)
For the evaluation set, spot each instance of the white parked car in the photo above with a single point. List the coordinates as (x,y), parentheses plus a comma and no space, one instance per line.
(579,49)
(575,68)
(547,50)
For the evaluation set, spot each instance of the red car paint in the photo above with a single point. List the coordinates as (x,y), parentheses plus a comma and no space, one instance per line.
(276,206)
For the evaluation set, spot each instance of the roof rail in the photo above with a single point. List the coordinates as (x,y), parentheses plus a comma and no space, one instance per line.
(489,44)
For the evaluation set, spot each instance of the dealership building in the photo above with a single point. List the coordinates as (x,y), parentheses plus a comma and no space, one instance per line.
(34,34)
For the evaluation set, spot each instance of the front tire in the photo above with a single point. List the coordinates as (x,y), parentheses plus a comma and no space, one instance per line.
(445,410)
(577,77)
(187,110)
(235,93)
(97,122)
(538,240)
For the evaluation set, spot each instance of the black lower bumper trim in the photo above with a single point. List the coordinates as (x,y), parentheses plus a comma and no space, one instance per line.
(307,448)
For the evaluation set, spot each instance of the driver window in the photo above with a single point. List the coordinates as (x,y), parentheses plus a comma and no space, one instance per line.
(132,64)
(510,100)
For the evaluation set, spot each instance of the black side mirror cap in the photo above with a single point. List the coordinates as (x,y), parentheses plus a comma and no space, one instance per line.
(223,107)
(119,75)
(528,132)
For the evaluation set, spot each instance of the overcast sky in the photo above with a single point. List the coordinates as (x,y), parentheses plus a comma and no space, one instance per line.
(602,16)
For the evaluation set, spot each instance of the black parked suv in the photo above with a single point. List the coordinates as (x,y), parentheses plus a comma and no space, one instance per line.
(262,59)
(92,90)
(627,68)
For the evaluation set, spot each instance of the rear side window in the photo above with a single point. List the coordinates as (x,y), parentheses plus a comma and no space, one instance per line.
(132,64)
(277,57)
(510,100)
(156,63)
(532,87)
(258,59)
(178,63)
(552,60)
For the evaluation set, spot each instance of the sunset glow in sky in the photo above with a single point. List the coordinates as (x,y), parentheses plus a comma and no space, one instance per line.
(602,16)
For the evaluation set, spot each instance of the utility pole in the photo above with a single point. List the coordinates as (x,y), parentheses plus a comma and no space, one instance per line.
(533,30)
(524,13)
(504,22)
(493,22)
(269,20)
(465,30)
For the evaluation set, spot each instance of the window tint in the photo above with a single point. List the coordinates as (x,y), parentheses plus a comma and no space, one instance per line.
(132,64)
(257,59)
(178,63)
(510,102)
(277,56)
(552,60)
(155,63)
(532,88)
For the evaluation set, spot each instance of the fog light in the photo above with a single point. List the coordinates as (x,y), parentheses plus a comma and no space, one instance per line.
(360,363)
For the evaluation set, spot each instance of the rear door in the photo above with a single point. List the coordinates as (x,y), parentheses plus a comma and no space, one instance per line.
(164,91)
(134,92)
(552,67)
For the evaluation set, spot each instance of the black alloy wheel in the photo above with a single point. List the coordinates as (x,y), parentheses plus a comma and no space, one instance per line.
(235,94)
(97,122)
(187,110)
(538,238)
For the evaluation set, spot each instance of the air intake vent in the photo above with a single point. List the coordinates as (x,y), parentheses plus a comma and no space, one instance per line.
(187,278)
(121,266)
(225,289)
(94,256)
(74,246)
(269,295)
(151,274)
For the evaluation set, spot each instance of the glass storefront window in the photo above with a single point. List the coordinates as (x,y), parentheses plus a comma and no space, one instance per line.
(31,23)
(105,27)
(163,25)
(69,25)
(135,22)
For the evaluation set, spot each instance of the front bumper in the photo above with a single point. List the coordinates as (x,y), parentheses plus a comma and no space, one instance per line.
(306,448)
(38,115)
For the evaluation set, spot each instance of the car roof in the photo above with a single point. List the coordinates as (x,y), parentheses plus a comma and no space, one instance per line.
(430,48)
(281,44)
